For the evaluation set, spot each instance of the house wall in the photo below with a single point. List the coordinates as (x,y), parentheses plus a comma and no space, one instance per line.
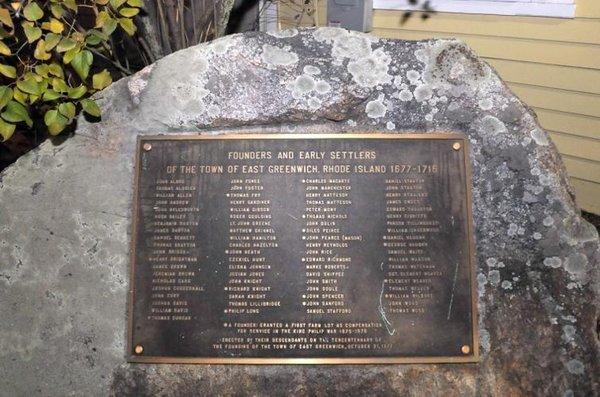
(552,64)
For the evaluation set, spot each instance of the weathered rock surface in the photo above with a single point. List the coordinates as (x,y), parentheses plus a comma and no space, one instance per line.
(65,220)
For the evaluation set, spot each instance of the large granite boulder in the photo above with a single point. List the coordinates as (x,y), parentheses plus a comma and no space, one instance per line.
(65,219)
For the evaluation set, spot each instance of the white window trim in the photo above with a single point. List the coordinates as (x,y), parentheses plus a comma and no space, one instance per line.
(541,8)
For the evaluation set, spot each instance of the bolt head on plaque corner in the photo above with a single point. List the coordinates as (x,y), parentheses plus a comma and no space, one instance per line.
(456,146)
(466,349)
(147,147)
(138,349)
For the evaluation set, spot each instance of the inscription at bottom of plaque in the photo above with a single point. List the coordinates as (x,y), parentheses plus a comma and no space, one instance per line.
(303,249)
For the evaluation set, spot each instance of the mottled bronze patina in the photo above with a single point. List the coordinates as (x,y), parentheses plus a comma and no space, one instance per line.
(243,252)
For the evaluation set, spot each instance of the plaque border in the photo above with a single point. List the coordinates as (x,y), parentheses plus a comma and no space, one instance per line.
(472,357)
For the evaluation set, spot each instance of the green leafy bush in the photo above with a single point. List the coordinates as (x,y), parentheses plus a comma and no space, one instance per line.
(47,49)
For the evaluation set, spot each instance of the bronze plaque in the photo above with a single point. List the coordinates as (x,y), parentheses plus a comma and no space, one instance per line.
(302,249)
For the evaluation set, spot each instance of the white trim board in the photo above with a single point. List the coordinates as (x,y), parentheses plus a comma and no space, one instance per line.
(540,8)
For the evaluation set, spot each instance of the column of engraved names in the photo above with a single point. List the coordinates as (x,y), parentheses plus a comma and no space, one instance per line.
(173,253)
(250,236)
(326,259)
(409,228)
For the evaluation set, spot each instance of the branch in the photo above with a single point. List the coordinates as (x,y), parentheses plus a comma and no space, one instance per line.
(114,62)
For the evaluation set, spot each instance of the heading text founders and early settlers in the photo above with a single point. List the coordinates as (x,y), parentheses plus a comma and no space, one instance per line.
(302,249)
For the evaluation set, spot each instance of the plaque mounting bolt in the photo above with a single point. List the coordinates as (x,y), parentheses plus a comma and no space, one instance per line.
(456,146)
(139,349)
(147,147)
(465,349)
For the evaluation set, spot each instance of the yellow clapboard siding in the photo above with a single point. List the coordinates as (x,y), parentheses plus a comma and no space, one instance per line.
(569,123)
(587,8)
(583,9)
(565,101)
(562,77)
(575,30)
(577,146)
(555,53)
(588,195)
(583,169)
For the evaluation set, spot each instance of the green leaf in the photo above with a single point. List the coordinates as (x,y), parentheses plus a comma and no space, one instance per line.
(50,95)
(5,18)
(31,75)
(90,107)
(67,109)
(66,44)
(78,36)
(60,85)
(32,11)
(93,40)
(6,94)
(117,3)
(102,18)
(40,51)
(6,130)
(16,112)
(55,69)
(127,25)
(29,86)
(56,128)
(31,32)
(57,10)
(55,121)
(95,37)
(136,3)
(52,40)
(42,69)
(53,116)
(55,26)
(4,50)
(20,96)
(101,80)
(77,92)
(129,12)
(70,4)
(8,71)
(109,27)
(69,55)
(82,62)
